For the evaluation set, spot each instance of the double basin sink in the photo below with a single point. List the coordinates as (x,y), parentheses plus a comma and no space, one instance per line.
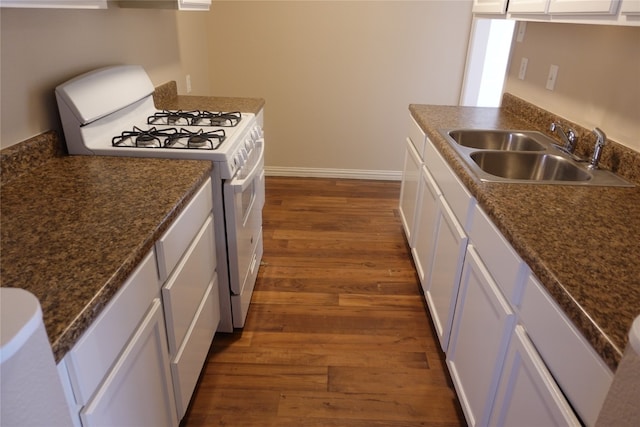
(524,157)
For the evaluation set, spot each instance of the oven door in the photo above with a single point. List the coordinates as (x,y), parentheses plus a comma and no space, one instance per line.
(243,201)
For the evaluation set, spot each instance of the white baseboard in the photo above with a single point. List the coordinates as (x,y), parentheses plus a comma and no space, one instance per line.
(380,175)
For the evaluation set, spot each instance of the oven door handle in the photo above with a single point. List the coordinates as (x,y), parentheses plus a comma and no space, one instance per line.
(240,185)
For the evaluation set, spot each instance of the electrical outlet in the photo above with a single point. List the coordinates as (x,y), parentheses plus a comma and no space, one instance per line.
(188,78)
(523,68)
(553,75)
(522,27)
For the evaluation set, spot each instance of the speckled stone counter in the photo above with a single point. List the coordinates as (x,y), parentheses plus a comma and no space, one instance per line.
(72,228)
(582,243)
(166,97)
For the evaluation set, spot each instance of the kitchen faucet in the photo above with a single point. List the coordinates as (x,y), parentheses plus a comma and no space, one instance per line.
(570,139)
(601,141)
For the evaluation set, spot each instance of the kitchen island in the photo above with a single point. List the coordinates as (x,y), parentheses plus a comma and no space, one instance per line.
(580,242)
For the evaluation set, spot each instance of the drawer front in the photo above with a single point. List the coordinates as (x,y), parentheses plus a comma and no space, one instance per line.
(183,291)
(506,267)
(454,191)
(417,136)
(96,351)
(568,356)
(177,238)
(188,362)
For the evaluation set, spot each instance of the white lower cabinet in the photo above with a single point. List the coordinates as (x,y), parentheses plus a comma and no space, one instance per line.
(426,222)
(514,356)
(139,361)
(409,190)
(441,290)
(119,369)
(482,325)
(527,394)
(137,391)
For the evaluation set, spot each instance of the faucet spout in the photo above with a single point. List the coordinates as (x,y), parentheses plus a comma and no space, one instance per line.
(601,141)
(570,138)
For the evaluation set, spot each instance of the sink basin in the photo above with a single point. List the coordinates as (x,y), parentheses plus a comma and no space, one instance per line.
(529,166)
(525,157)
(498,139)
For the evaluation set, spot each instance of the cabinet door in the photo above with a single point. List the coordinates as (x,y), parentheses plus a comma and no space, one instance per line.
(449,249)
(528,6)
(409,191)
(601,7)
(528,395)
(631,7)
(55,4)
(482,324)
(138,390)
(425,226)
(489,6)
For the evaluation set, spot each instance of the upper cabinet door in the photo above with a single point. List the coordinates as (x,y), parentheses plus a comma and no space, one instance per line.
(489,6)
(602,7)
(194,4)
(630,6)
(56,4)
(528,6)
(166,4)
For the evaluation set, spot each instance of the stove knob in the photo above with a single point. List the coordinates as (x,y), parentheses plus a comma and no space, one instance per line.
(249,144)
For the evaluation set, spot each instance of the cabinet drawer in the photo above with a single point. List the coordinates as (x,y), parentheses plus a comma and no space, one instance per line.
(506,267)
(569,357)
(96,351)
(454,191)
(185,288)
(177,238)
(188,362)
(417,136)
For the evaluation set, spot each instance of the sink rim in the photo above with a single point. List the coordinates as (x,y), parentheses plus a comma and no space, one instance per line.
(525,140)
(538,162)
(598,177)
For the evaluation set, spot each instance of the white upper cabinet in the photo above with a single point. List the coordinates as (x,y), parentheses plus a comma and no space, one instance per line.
(55,4)
(601,7)
(489,6)
(528,6)
(166,4)
(630,7)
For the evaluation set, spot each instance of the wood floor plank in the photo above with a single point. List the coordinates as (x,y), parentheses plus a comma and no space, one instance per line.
(337,333)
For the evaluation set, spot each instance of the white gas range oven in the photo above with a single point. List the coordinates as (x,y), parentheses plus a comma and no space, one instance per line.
(110,112)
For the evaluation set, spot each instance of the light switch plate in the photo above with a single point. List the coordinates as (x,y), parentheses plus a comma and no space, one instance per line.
(523,68)
(553,75)
(188,79)
(522,27)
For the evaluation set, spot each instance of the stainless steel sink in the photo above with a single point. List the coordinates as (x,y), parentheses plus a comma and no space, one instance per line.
(529,166)
(517,156)
(498,139)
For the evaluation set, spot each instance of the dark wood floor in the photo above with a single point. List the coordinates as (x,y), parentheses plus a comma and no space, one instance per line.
(337,333)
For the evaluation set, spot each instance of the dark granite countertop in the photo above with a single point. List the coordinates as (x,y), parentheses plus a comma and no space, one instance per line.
(75,227)
(582,243)
(166,97)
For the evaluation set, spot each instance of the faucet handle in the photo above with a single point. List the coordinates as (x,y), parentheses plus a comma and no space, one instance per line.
(601,137)
(601,141)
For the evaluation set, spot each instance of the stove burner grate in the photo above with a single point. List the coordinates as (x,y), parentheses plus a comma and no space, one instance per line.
(195,118)
(168,117)
(217,119)
(151,138)
(202,140)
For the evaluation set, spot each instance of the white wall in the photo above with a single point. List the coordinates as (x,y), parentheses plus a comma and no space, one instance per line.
(41,48)
(598,83)
(338,76)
